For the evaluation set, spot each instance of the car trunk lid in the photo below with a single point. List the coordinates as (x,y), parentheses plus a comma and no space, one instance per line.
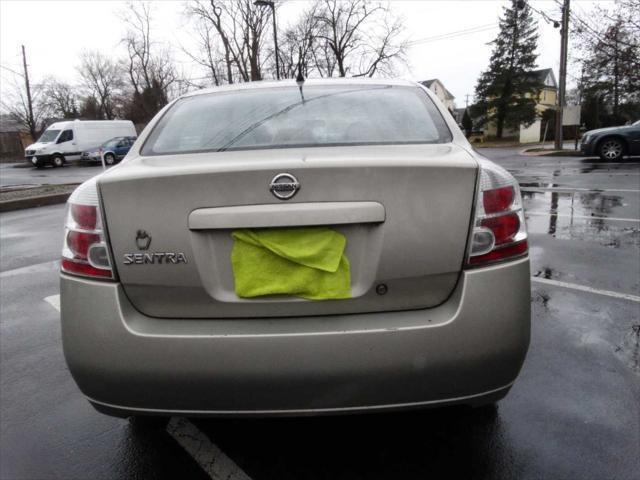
(405,211)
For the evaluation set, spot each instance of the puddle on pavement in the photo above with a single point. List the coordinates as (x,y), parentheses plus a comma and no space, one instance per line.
(608,175)
(584,216)
(611,234)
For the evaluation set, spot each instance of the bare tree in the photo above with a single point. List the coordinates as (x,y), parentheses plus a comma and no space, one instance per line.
(298,47)
(331,37)
(384,49)
(239,25)
(149,63)
(15,103)
(209,54)
(60,98)
(363,37)
(324,60)
(211,17)
(102,78)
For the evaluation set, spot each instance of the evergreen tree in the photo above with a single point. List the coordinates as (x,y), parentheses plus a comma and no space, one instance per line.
(467,124)
(506,91)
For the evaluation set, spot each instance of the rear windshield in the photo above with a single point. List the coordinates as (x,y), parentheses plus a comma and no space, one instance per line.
(287,117)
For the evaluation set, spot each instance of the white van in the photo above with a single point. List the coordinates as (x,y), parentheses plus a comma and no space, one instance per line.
(64,141)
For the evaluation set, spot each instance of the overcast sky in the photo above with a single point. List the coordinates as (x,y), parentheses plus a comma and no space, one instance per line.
(55,32)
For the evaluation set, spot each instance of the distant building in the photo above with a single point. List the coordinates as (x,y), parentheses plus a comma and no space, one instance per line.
(445,96)
(547,96)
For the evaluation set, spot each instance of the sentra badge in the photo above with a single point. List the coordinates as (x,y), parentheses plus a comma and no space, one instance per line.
(143,241)
(154,258)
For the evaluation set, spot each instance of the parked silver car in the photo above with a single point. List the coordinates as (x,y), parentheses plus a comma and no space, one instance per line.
(282,248)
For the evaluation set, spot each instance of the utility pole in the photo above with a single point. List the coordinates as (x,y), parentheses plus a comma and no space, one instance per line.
(32,126)
(564,41)
(466,100)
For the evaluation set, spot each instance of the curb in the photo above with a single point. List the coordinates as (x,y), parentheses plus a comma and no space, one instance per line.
(551,153)
(32,202)
(498,145)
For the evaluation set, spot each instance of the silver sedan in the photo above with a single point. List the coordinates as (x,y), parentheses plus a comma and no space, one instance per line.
(289,249)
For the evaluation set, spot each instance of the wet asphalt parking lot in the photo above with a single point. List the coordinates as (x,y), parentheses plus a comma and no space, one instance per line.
(574,412)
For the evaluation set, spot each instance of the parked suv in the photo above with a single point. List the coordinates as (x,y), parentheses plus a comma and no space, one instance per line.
(271,248)
(612,143)
(113,150)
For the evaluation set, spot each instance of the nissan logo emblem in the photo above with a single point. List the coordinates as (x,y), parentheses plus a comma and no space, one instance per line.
(284,186)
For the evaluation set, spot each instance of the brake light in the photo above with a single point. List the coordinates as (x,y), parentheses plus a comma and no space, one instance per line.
(498,199)
(85,216)
(85,251)
(499,231)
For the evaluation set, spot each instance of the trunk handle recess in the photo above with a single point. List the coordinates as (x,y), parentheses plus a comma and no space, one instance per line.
(286,215)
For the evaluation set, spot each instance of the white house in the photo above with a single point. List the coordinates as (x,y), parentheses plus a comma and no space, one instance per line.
(445,96)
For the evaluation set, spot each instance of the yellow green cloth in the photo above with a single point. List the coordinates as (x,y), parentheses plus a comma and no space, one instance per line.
(305,262)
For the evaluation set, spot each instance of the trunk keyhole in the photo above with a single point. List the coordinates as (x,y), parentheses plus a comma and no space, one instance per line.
(381,289)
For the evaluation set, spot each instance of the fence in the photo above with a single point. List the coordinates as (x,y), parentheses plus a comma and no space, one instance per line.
(12,146)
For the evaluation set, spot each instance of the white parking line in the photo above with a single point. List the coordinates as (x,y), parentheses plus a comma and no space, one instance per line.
(577,189)
(584,288)
(210,458)
(583,217)
(37,268)
(204,452)
(54,301)
(569,166)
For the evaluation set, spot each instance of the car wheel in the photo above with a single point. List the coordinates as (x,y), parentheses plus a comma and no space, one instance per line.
(109,159)
(58,161)
(611,149)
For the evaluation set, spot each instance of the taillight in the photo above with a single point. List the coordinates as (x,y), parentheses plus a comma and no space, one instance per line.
(499,231)
(85,251)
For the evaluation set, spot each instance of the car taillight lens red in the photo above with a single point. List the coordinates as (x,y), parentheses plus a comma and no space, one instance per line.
(79,243)
(504,227)
(514,250)
(499,231)
(498,199)
(85,250)
(84,269)
(85,216)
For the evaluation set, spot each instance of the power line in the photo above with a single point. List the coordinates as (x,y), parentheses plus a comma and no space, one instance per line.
(11,70)
(457,33)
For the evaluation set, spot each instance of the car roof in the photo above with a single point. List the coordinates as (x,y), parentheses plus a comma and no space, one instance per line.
(307,82)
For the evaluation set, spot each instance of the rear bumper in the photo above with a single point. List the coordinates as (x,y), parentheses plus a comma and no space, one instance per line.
(468,350)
